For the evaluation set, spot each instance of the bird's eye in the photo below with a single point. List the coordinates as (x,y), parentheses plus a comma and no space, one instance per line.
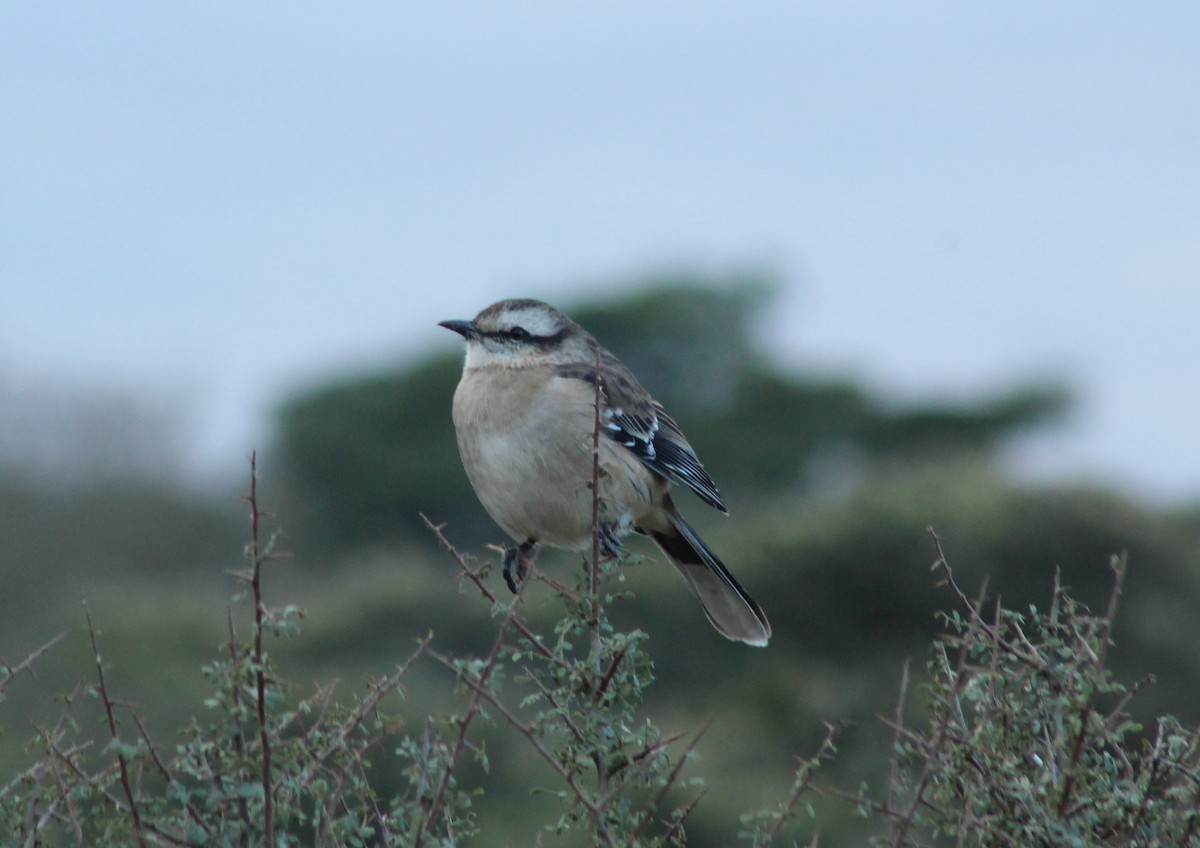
(518,334)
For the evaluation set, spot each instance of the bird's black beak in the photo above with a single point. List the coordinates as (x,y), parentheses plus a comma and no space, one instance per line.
(466,329)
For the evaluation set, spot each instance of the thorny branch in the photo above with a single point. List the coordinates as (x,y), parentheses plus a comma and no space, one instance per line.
(122,762)
(257,558)
(25,665)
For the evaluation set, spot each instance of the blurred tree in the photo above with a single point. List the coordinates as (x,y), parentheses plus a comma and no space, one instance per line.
(368,453)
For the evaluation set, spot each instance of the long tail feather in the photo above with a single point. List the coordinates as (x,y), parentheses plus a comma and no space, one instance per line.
(730,609)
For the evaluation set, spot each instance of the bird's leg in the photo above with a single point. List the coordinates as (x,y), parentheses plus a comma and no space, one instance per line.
(519,557)
(610,542)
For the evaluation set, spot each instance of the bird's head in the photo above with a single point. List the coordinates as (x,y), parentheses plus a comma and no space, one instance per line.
(522,332)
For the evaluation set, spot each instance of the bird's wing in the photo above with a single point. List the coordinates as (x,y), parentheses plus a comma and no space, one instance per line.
(630,416)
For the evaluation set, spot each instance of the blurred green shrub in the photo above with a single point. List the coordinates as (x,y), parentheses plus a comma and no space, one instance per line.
(1028,739)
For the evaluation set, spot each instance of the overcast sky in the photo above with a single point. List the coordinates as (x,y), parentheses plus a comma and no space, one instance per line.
(219,202)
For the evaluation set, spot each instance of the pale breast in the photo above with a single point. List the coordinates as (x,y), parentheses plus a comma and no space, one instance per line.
(526,442)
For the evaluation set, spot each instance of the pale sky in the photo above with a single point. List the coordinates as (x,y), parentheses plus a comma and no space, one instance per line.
(216,203)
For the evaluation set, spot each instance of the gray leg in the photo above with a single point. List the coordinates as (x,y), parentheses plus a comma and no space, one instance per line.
(610,542)
(518,557)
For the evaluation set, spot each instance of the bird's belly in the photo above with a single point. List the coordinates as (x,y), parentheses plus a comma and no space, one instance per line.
(540,487)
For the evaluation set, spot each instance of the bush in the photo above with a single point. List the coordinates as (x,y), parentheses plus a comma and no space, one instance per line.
(1026,740)
(1029,740)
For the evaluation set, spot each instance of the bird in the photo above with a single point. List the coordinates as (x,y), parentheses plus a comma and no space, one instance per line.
(525,414)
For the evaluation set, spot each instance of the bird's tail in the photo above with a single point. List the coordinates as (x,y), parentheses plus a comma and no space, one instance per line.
(733,612)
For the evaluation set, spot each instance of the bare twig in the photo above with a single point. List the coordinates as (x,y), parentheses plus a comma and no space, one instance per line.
(235,694)
(676,824)
(897,731)
(192,812)
(673,778)
(1118,565)
(479,687)
(26,664)
(95,781)
(804,780)
(941,562)
(122,762)
(596,637)
(364,708)
(900,825)
(48,767)
(594,570)
(1057,597)
(602,686)
(563,712)
(255,556)
(425,822)
(476,577)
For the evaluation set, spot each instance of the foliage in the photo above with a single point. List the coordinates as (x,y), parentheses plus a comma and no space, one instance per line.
(580,693)
(267,768)
(271,768)
(1027,739)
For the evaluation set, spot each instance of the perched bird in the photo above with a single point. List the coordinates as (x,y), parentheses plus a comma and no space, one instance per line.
(525,415)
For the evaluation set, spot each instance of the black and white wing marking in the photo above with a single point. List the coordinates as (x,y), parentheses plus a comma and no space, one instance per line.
(629,415)
(677,459)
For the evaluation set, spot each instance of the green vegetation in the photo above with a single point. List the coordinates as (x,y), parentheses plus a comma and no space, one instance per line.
(1029,740)
(1018,729)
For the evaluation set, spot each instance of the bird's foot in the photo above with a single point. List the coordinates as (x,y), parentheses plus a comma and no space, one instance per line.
(610,542)
(516,560)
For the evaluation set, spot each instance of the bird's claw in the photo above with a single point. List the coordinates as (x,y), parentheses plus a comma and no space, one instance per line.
(610,542)
(516,560)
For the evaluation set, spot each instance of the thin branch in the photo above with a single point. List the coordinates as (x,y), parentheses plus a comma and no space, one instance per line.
(804,780)
(596,637)
(594,571)
(48,767)
(1118,565)
(364,708)
(95,781)
(476,577)
(673,777)
(899,829)
(473,707)
(944,564)
(897,730)
(1117,711)
(192,812)
(599,691)
(239,739)
(26,664)
(134,812)
(676,824)
(255,556)
(479,687)
(563,712)
(1057,597)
